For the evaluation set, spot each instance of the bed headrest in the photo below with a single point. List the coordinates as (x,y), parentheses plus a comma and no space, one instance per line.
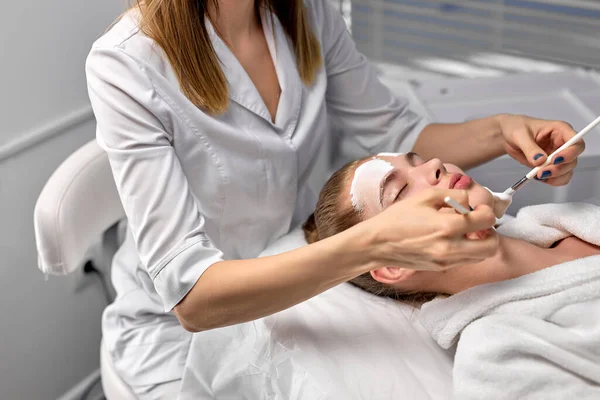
(77,204)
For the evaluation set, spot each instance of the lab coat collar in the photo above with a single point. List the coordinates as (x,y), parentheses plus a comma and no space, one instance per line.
(243,91)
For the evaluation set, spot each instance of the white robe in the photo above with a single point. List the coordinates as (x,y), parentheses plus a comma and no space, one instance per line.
(533,337)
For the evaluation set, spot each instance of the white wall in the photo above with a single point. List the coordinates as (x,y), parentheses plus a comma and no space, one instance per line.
(49,333)
(43,46)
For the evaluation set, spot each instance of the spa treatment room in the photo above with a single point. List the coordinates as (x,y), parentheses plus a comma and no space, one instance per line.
(300,200)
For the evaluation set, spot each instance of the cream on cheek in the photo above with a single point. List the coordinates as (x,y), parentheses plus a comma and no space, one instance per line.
(501,202)
(367,181)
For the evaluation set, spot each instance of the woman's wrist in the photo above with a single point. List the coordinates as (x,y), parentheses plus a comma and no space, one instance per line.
(467,145)
(492,133)
(354,250)
(372,244)
(497,131)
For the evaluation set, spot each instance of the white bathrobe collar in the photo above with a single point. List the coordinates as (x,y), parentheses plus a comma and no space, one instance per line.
(445,318)
(241,88)
(542,225)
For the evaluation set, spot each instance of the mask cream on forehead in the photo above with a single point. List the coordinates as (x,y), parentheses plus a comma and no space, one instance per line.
(390,154)
(367,180)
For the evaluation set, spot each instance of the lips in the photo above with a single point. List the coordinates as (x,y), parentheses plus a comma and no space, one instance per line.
(458,181)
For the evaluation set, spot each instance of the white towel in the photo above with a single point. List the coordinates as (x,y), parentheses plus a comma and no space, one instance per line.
(536,336)
(545,224)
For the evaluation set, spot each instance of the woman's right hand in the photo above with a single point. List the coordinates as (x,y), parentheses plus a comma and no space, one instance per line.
(418,233)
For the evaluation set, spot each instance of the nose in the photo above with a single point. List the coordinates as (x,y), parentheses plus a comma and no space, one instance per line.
(430,172)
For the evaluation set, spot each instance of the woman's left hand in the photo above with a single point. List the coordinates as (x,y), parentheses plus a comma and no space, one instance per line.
(530,141)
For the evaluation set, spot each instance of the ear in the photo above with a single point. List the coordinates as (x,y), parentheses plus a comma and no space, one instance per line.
(391,275)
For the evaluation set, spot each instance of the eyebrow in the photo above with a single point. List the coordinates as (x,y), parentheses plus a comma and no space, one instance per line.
(410,157)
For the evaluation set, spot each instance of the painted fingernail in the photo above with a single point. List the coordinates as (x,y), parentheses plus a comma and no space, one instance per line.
(559,160)
(471,208)
(546,174)
(540,179)
(537,156)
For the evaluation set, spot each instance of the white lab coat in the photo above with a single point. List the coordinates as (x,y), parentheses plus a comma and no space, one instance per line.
(198,188)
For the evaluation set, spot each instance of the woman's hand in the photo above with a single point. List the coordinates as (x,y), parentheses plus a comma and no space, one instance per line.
(530,141)
(417,234)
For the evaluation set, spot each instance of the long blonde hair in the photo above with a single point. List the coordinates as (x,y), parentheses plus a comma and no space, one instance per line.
(178,26)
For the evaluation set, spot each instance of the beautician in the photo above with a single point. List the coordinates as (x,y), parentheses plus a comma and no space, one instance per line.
(212,114)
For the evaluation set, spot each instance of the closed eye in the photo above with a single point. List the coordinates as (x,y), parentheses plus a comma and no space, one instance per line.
(400,192)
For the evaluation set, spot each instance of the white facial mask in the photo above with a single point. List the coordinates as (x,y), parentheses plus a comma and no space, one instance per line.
(501,202)
(390,154)
(367,180)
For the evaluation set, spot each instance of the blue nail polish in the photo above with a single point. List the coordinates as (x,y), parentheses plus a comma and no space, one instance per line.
(559,160)
(537,156)
(546,174)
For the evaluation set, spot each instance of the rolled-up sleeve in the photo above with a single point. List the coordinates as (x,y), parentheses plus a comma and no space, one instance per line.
(162,213)
(364,109)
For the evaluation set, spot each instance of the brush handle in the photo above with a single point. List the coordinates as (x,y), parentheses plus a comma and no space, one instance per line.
(569,142)
(456,205)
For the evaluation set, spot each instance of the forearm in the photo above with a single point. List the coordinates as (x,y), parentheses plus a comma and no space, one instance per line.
(466,144)
(236,291)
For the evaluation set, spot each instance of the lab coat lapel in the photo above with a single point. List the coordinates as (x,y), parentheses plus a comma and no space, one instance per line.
(290,101)
(241,87)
